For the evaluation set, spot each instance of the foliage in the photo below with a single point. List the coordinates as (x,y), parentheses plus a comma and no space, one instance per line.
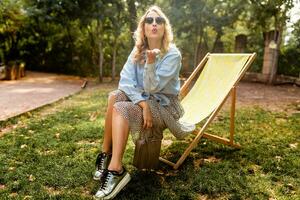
(90,37)
(270,15)
(205,22)
(267,16)
(11,18)
(50,154)
(289,58)
(289,61)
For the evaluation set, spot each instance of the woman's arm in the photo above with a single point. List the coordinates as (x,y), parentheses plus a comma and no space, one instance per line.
(147,115)
(128,82)
(128,85)
(156,80)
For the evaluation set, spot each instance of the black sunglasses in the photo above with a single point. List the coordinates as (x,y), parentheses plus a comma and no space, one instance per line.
(158,20)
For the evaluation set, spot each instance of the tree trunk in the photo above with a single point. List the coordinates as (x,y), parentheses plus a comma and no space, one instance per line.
(100,52)
(113,70)
(203,50)
(218,44)
(133,17)
(195,55)
(13,53)
(240,43)
(94,47)
(71,42)
(199,37)
(271,41)
(219,47)
(100,62)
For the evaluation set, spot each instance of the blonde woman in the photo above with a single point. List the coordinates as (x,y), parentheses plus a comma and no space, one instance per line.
(147,98)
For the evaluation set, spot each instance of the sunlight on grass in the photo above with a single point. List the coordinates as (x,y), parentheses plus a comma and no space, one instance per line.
(50,153)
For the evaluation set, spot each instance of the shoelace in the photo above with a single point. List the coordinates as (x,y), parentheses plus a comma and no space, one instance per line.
(105,179)
(100,164)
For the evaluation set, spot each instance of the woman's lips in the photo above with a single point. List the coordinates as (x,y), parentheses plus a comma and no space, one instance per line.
(154,30)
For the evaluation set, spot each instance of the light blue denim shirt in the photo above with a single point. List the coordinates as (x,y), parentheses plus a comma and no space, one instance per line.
(139,81)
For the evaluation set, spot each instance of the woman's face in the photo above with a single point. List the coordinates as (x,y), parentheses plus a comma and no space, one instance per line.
(154,26)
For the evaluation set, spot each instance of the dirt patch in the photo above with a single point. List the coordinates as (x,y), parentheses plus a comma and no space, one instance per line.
(285,98)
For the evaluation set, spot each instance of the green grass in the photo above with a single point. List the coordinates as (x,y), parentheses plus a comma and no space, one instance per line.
(50,154)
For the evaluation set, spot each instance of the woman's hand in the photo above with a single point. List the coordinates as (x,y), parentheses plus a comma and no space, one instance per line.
(151,55)
(147,115)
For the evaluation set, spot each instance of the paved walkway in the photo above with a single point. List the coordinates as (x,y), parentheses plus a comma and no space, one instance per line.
(33,91)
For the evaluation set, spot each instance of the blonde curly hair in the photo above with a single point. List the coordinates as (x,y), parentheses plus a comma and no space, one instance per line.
(141,42)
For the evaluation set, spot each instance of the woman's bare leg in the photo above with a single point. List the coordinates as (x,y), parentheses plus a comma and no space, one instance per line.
(120,130)
(107,141)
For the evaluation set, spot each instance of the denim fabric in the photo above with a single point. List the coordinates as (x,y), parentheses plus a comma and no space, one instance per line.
(140,81)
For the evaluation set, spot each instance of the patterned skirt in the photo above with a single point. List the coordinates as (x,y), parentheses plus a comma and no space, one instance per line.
(162,116)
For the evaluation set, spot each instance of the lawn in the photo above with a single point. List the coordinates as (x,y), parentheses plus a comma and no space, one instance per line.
(50,154)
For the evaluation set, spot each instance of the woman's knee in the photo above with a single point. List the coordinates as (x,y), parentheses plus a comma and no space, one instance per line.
(116,108)
(119,109)
(111,99)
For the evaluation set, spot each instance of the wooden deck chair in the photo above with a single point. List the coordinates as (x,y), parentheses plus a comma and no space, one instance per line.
(219,76)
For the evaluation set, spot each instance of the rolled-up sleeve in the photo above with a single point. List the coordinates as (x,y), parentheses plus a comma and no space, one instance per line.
(156,79)
(128,81)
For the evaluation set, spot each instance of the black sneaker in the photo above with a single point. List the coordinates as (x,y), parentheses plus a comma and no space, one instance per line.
(112,183)
(102,163)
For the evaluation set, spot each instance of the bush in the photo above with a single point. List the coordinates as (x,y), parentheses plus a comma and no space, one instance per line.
(289,61)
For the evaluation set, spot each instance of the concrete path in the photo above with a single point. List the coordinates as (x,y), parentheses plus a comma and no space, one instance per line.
(34,90)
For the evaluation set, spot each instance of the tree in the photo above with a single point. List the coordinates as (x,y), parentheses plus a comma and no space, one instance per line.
(117,19)
(132,16)
(289,55)
(11,23)
(271,16)
(189,24)
(200,24)
(225,14)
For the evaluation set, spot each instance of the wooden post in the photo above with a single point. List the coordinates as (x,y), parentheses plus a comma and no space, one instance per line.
(232,113)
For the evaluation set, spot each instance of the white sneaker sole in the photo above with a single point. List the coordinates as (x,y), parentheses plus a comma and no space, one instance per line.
(97,178)
(119,187)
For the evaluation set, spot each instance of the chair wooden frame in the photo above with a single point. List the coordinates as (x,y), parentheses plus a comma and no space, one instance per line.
(200,133)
